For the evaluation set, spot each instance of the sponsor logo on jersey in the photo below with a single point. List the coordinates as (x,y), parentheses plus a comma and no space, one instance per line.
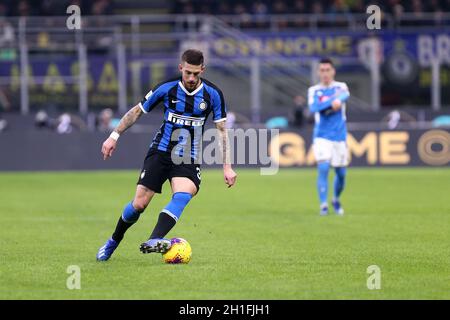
(185,120)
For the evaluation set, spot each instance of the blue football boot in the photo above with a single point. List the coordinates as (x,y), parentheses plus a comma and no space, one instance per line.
(338,207)
(323,209)
(105,252)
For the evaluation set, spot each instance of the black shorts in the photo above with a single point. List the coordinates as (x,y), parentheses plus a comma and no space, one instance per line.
(158,167)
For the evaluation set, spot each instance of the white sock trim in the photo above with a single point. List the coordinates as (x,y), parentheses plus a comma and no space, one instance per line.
(170,214)
(127,221)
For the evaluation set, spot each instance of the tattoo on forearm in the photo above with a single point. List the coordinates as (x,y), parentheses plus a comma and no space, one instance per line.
(128,119)
(224,142)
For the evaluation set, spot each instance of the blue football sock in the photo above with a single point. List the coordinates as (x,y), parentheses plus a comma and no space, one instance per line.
(129,217)
(322,180)
(170,214)
(130,214)
(176,206)
(339,181)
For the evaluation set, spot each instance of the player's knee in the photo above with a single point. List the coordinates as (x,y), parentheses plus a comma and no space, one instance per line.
(130,213)
(141,202)
(177,204)
(323,166)
(140,205)
(341,172)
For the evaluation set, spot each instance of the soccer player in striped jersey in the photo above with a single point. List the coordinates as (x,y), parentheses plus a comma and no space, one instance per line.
(187,100)
(327,101)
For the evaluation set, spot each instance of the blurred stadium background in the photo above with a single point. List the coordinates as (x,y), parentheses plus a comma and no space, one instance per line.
(263,54)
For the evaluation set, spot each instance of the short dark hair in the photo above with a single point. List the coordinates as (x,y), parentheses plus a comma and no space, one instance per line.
(193,56)
(327,60)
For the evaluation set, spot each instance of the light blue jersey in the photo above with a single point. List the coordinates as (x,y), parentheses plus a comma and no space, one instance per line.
(330,125)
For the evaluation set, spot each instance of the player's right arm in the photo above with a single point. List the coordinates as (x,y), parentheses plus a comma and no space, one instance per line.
(314,104)
(127,121)
(333,103)
(219,116)
(147,104)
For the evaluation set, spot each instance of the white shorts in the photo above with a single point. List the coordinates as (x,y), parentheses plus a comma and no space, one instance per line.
(334,151)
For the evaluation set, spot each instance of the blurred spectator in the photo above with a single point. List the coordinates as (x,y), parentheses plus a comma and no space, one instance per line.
(67,123)
(280,7)
(6,33)
(102,7)
(277,122)
(51,8)
(260,11)
(64,125)
(5,104)
(396,8)
(339,13)
(441,121)
(3,124)
(317,8)
(299,111)
(339,7)
(224,8)
(43,40)
(300,8)
(106,120)
(436,7)
(235,120)
(3,9)
(205,9)
(394,118)
(188,8)
(23,8)
(257,7)
(242,11)
(357,6)
(43,121)
(433,6)
(417,8)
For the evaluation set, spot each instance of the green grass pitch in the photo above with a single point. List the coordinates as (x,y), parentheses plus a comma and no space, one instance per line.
(262,239)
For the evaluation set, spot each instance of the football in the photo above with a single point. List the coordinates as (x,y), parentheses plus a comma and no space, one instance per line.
(179,252)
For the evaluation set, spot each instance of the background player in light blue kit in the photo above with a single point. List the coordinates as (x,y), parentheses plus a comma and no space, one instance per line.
(327,101)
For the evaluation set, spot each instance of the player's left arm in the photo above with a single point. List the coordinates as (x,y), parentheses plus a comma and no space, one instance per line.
(341,96)
(219,116)
(228,172)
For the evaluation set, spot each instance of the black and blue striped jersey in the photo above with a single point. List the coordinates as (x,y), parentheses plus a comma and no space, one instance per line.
(184,110)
